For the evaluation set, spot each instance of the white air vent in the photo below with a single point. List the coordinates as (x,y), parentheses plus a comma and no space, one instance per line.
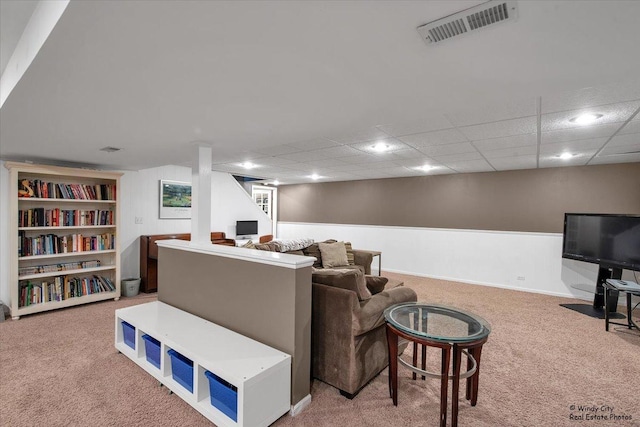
(469,20)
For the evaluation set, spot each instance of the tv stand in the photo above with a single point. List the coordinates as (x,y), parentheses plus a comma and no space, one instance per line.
(605,273)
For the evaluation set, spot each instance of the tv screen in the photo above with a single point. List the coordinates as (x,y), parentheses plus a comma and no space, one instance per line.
(608,240)
(246,228)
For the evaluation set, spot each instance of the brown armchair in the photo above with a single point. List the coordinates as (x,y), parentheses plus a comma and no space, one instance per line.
(349,342)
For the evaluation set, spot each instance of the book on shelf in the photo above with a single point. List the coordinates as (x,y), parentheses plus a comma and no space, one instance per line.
(48,190)
(49,244)
(51,268)
(40,217)
(62,288)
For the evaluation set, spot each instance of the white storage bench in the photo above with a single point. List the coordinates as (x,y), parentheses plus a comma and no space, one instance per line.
(234,380)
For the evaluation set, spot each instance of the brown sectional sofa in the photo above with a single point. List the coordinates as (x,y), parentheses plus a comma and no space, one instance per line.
(348,336)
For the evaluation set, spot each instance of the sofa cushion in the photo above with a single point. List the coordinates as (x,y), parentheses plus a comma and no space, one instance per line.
(376,284)
(371,313)
(351,279)
(333,254)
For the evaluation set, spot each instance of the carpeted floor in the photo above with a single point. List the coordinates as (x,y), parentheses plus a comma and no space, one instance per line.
(542,365)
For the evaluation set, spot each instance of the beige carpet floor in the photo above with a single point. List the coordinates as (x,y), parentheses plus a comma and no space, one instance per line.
(542,365)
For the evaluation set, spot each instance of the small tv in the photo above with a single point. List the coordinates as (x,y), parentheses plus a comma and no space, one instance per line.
(246,228)
(609,240)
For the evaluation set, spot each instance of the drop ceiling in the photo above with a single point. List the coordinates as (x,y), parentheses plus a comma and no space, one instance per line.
(302,88)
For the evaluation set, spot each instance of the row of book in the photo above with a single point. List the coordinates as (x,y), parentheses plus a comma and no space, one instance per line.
(52,268)
(40,217)
(49,244)
(52,190)
(61,288)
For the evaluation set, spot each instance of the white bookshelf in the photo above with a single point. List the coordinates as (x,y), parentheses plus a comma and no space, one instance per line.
(108,258)
(260,374)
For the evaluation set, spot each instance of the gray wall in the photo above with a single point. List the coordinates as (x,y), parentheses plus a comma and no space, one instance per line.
(267,303)
(524,200)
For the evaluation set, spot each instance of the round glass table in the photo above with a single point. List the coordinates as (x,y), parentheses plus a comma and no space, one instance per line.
(454,331)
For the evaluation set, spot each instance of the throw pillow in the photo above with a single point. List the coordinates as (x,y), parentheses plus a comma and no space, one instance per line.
(314,251)
(349,279)
(333,254)
(350,256)
(376,284)
(249,245)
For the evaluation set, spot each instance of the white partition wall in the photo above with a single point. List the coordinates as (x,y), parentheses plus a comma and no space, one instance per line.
(523,261)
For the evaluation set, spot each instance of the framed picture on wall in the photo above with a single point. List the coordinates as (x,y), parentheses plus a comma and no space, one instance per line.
(175,199)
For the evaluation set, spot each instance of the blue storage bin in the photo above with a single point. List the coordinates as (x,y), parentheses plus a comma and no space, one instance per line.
(152,350)
(129,332)
(224,395)
(181,370)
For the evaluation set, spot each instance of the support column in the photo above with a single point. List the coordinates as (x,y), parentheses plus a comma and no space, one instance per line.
(201,196)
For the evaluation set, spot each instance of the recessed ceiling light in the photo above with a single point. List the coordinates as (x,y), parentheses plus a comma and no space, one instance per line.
(248,165)
(565,156)
(586,119)
(424,168)
(276,182)
(380,147)
(314,176)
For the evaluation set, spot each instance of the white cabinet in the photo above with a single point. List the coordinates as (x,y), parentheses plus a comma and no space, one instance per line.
(251,376)
(64,237)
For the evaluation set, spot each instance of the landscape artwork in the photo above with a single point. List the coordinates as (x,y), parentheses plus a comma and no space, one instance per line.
(175,199)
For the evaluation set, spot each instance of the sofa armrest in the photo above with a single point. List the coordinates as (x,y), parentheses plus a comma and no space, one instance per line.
(370,313)
(363,259)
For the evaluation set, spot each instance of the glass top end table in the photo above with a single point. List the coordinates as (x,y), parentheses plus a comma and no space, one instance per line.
(454,331)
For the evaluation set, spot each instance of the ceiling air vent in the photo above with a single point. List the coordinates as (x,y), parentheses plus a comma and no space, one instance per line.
(469,20)
(110,149)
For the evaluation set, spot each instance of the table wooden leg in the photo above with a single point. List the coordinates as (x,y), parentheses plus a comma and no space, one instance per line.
(424,360)
(444,383)
(392,339)
(477,353)
(457,356)
(415,358)
(470,379)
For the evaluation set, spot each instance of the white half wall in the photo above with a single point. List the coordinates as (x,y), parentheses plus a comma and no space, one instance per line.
(528,262)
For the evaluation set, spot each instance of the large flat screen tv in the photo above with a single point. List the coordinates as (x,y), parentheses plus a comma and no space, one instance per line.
(605,239)
(246,228)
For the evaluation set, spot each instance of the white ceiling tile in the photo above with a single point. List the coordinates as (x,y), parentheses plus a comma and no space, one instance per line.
(511,152)
(621,149)
(509,163)
(431,122)
(409,153)
(461,157)
(500,129)
(361,158)
(506,142)
(442,150)
(313,144)
(573,147)
(447,136)
(511,109)
(591,96)
(479,165)
(615,158)
(276,150)
(552,161)
(624,140)
(612,113)
(347,167)
(273,161)
(632,127)
(325,163)
(576,133)
(371,173)
(370,134)
(335,152)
